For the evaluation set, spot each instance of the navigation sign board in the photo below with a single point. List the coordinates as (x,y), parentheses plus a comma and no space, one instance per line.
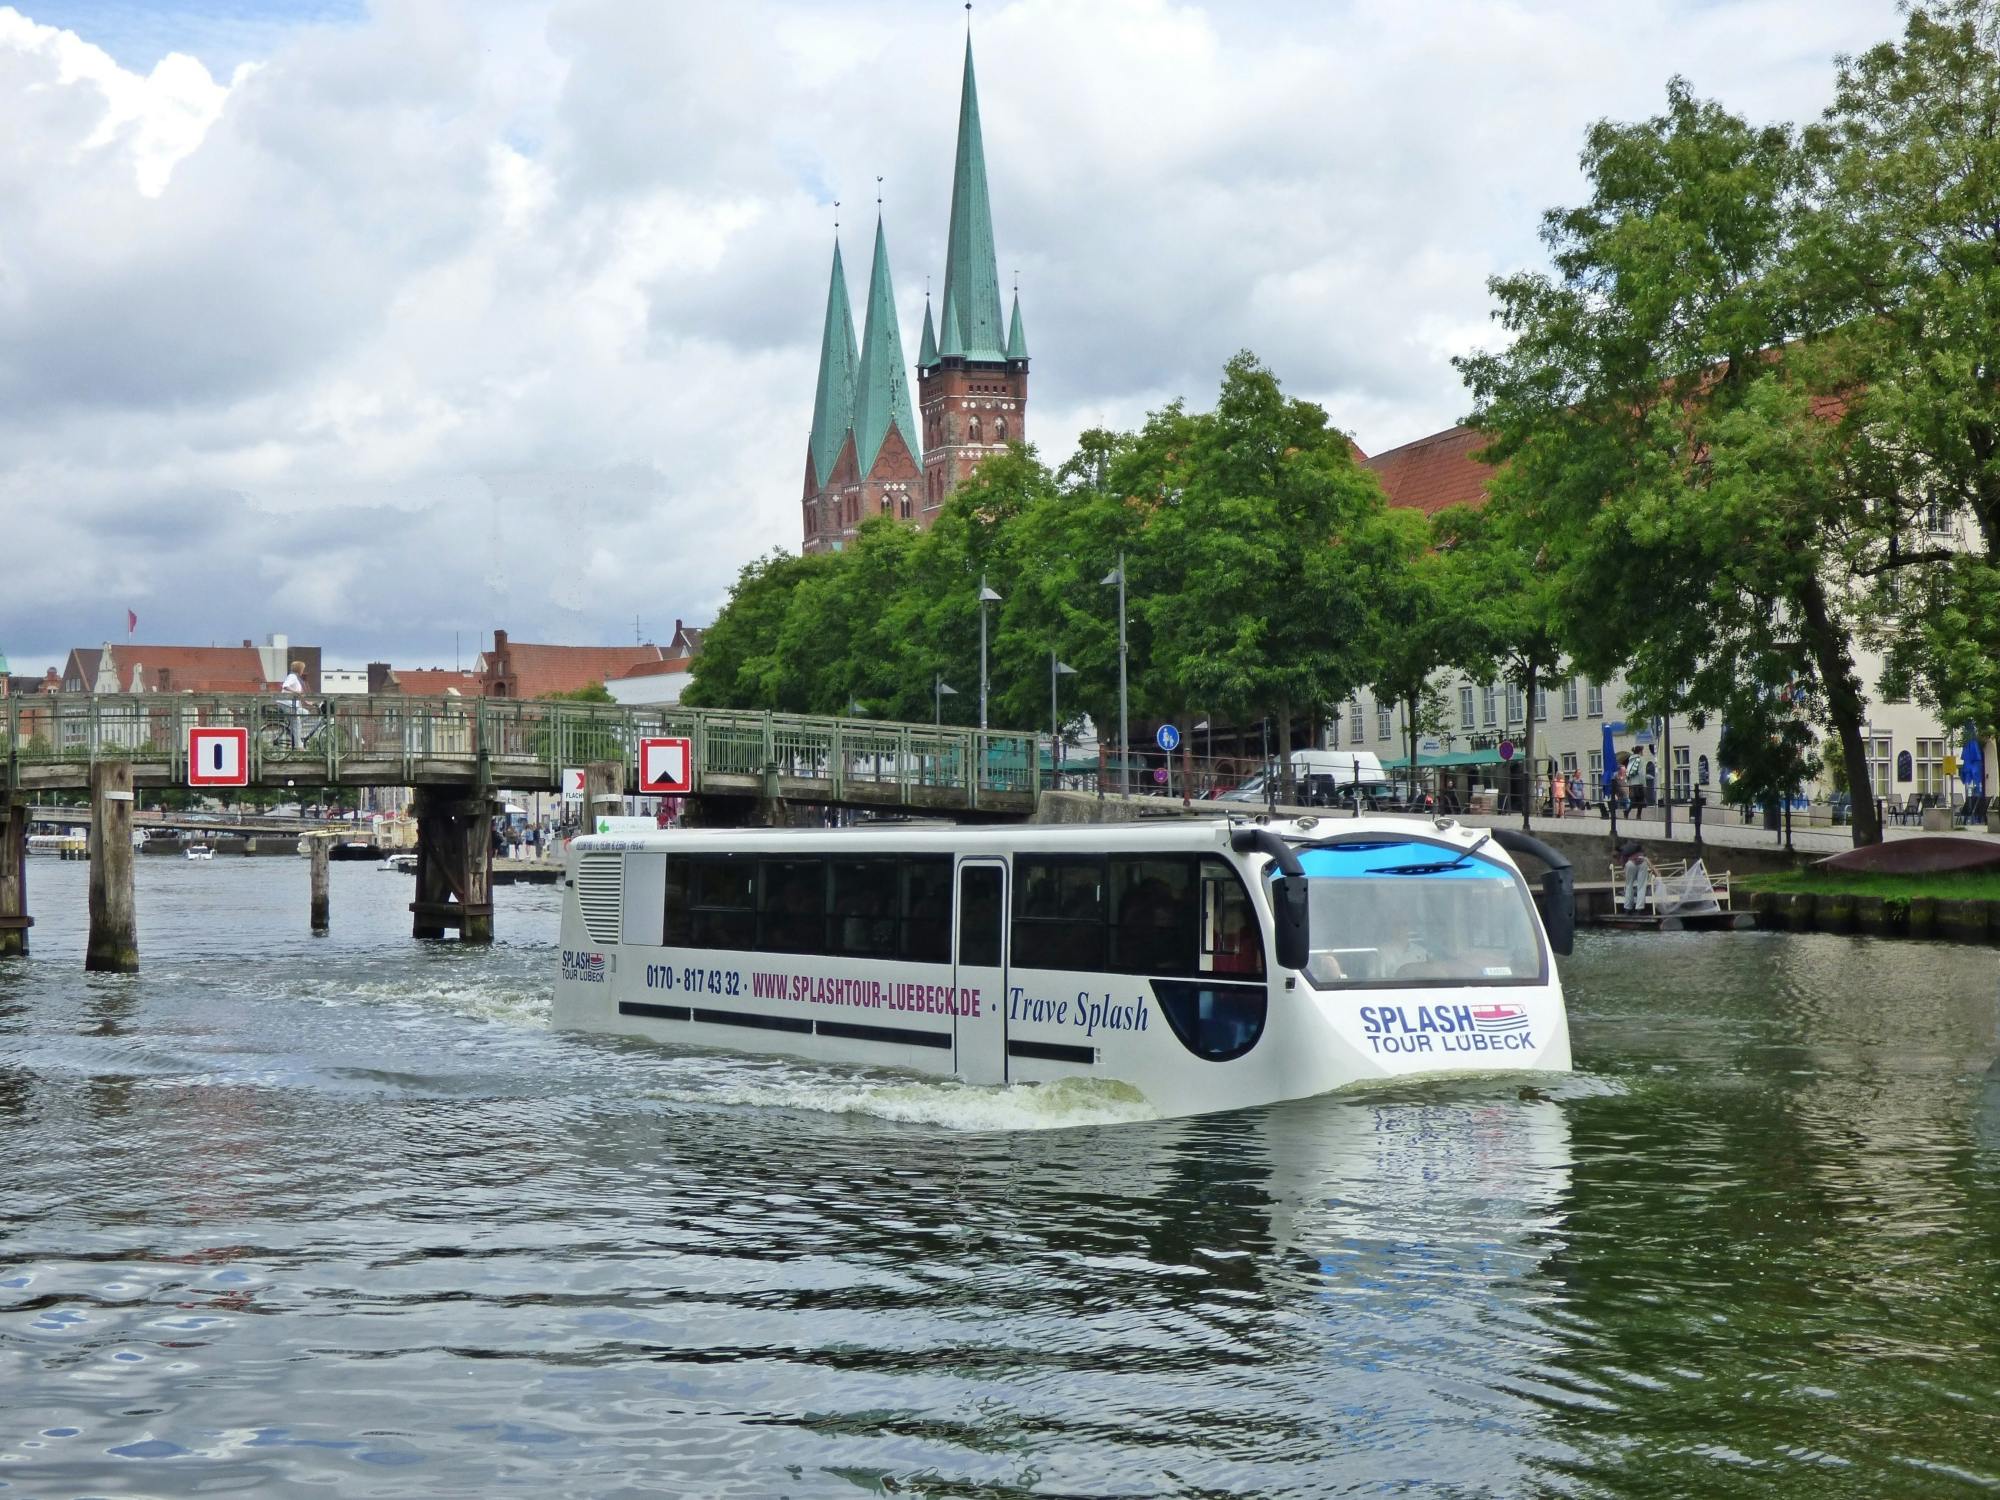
(572,784)
(1159,775)
(613,823)
(1506,749)
(218,756)
(1167,737)
(666,766)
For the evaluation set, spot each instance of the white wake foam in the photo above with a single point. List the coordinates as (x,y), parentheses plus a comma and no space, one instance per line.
(1062,1104)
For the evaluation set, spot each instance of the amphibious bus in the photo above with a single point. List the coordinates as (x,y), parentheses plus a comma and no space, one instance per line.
(1208,965)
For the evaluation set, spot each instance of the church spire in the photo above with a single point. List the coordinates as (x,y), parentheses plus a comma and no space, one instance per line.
(833,397)
(971,273)
(927,354)
(1017,340)
(882,389)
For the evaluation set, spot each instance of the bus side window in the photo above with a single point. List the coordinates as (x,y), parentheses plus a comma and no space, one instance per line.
(1154,918)
(680,917)
(981,913)
(722,901)
(927,908)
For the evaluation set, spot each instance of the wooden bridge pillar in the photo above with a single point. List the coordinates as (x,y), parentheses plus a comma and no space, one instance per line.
(114,934)
(454,864)
(14,918)
(603,791)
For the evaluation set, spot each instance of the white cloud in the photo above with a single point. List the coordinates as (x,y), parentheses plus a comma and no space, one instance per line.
(504,312)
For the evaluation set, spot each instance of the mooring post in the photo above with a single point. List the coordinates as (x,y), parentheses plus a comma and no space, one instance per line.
(114,937)
(432,892)
(14,918)
(321,847)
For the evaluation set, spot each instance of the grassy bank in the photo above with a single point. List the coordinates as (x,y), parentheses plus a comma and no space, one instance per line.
(1981,885)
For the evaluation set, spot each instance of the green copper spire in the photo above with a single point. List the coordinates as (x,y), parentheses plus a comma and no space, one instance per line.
(927,354)
(971,276)
(1017,341)
(952,347)
(833,397)
(882,390)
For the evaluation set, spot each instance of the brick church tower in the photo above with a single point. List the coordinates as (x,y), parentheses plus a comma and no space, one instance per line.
(866,455)
(972,379)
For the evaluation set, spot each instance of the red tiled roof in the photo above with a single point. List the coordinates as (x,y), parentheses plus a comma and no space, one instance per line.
(532,670)
(660,668)
(1435,471)
(189,669)
(434,682)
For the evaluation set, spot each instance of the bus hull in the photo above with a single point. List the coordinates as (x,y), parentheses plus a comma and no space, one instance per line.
(1042,1026)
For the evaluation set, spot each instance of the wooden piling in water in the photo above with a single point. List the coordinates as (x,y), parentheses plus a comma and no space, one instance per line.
(14,918)
(114,935)
(321,849)
(454,865)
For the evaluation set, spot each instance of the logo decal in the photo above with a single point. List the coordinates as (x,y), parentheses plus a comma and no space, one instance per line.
(1494,1018)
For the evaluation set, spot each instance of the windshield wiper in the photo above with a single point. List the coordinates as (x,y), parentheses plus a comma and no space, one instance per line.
(1435,869)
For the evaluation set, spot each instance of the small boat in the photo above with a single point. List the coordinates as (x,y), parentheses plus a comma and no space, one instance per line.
(200,851)
(406,863)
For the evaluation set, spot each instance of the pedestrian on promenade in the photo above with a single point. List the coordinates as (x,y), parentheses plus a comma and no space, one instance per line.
(1652,780)
(1621,785)
(1633,857)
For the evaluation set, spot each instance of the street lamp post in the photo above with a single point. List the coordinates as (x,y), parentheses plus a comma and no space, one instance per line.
(986,597)
(1056,669)
(939,688)
(1117,576)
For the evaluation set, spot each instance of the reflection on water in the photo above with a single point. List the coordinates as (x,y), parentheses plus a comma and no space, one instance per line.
(280,1213)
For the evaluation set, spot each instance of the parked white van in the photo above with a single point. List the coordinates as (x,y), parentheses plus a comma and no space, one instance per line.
(1317,773)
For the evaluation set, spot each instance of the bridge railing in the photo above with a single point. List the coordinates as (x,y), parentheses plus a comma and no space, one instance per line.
(390,739)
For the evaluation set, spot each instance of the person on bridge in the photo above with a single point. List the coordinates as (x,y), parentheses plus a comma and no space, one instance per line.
(291,694)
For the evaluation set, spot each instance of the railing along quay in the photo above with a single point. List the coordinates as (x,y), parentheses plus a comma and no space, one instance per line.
(52,741)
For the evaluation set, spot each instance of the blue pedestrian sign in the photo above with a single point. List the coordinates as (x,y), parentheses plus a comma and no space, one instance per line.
(1167,737)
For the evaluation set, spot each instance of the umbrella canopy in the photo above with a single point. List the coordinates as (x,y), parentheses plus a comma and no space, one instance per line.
(1610,759)
(1972,764)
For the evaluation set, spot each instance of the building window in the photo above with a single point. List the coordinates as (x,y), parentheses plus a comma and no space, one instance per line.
(1880,753)
(1517,705)
(1596,769)
(1683,774)
(1930,767)
(1383,728)
(1569,698)
(1569,764)
(1594,699)
(1466,712)
(1937,519)
(999,429)
(1541,705)
(1492,705)
(972,429)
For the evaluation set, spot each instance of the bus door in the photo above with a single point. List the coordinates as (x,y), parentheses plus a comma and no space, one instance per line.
(979,963)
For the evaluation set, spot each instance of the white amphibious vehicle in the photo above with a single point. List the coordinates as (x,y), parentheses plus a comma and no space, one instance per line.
(1207,965)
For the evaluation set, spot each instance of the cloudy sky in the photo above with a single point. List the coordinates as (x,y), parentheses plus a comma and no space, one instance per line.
(384,324)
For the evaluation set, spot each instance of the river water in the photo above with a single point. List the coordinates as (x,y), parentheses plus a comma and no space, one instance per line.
(343,1216)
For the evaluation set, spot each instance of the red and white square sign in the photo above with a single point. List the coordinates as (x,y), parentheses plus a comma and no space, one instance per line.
(218,757)
(666,767)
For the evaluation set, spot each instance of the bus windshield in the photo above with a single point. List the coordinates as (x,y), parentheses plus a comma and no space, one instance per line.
(1410,913)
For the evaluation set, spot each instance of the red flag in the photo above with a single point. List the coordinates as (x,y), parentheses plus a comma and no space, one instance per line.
(131,622)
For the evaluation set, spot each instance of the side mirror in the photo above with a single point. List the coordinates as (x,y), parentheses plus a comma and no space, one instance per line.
(1559,909)
(1290,912)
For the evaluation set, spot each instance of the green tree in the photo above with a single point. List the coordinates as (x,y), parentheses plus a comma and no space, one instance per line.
(738,666)
(1904,247)
(1414,621)
(595,692)
(1666,442)
(1506,607)
(1255,575)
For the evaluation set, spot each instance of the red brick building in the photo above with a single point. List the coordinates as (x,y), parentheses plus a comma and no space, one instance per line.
(866,455)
